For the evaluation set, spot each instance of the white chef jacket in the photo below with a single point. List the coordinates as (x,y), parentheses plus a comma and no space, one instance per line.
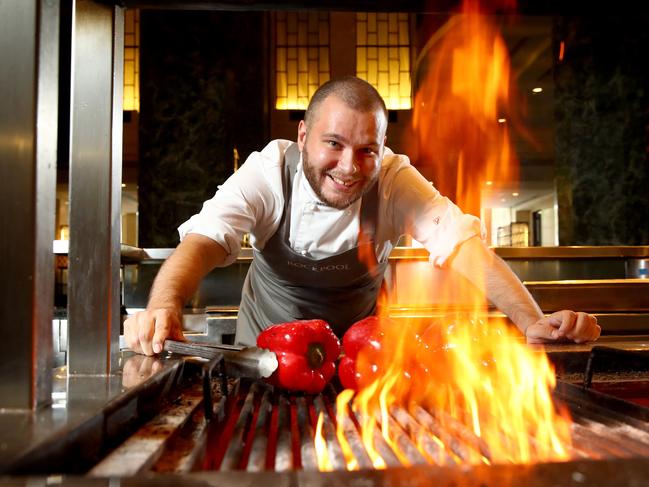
(251,201)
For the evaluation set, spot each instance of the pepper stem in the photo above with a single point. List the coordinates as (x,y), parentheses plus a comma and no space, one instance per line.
(315,355)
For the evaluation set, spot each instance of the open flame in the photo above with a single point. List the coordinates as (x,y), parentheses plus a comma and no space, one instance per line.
(324,463)
(459,375)
(463,93)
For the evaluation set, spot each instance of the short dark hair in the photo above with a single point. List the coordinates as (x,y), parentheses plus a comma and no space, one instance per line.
(356,93)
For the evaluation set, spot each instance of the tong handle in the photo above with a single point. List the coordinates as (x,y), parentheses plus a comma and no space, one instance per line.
(250,362)
(188,348)
(221,347)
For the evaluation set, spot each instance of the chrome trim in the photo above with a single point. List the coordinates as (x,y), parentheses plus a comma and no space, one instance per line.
(29,45)
(95,188)
(584,252)
(420,253)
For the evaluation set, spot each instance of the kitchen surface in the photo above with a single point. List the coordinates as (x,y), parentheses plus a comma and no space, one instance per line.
(121,118)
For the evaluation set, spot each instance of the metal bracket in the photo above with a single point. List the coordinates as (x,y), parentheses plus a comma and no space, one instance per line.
(632,358)
(218,364)
(215,362)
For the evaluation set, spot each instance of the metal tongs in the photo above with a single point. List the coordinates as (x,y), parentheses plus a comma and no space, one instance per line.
(249,362)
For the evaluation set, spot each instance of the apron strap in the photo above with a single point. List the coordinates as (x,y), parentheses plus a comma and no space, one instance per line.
(292,158)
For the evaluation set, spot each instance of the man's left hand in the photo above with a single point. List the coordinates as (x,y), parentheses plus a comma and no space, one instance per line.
(564,325)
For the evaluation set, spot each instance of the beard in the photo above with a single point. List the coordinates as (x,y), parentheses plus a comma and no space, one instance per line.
(317,179)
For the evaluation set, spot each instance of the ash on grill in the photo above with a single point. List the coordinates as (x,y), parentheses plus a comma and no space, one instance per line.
(265,429)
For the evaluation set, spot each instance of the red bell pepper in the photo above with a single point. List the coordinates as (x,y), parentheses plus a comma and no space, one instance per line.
(357,369)
(306,351)
(364,350)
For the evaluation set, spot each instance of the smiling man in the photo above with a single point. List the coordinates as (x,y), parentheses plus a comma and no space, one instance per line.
(323,215)
(341,145)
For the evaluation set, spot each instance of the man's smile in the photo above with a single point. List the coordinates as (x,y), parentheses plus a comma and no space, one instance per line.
(340,182)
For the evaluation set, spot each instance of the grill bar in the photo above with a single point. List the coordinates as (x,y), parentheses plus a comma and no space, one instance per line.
(381,446)
(144,448)
(432,446)
(354,440)
(597,448)
(465,452)
(603,426)
(336,456)
(232,456)
(307,450)
(284,454)
(630,445)
(257,458)
(405,448)
(464,435)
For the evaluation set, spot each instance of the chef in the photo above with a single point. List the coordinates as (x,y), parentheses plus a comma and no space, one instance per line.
(323,215)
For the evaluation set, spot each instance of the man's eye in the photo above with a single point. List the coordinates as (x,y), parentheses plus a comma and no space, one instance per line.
(369,151)
(332,143)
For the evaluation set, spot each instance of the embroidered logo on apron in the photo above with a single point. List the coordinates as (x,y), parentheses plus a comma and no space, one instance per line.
(318,268)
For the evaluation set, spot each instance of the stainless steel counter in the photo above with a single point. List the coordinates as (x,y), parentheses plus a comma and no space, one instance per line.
(576,252)
(418,253)
(87,415)
(593,279)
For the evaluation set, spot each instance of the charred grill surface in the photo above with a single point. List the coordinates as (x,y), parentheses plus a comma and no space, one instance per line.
(269,430)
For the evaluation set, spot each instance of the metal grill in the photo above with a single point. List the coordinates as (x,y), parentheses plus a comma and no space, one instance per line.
(264,429)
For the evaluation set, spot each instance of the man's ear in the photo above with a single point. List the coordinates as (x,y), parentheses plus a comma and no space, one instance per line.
(301,135)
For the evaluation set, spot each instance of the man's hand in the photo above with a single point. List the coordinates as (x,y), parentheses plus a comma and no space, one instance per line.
(146,331)
(473,260)
(175,283)
(564,325)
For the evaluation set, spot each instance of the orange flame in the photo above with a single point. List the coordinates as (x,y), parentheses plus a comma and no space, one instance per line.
(324,463)
(475,379)
(341,407)
(457,105)
(459,375)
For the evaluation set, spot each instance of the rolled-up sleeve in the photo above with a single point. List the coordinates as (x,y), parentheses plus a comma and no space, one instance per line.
(444,238)
(246,202)
(419,210)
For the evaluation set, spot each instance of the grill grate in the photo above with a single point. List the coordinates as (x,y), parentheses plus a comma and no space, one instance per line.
(264,429)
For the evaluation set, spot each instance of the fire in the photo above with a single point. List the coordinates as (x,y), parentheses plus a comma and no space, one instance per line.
(465,90)
(324,463)
(458,377)
(460,388)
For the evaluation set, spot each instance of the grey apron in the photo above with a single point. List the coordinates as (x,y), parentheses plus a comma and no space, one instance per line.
(283,285)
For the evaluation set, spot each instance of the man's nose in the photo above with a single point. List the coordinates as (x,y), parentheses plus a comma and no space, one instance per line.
(347,162)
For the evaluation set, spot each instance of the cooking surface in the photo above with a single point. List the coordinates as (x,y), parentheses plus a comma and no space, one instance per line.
(77,421)
(265,429)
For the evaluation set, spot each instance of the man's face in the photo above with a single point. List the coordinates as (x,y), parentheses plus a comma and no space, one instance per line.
(342,151)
